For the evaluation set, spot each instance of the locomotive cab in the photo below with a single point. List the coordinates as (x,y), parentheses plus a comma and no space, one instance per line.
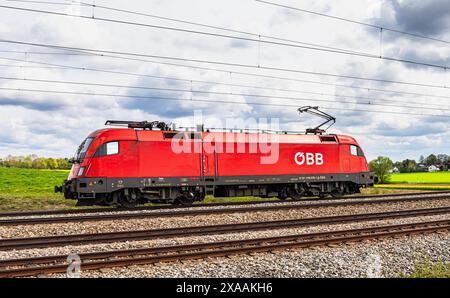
(81,183)
(77,161)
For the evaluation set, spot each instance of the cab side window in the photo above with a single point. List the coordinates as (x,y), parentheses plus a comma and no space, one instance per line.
(110,148)
(353,150)
(356,151)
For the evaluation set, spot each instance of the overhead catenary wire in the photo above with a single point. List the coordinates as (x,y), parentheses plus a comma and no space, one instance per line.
(259,35)
(193,91)
(45,53)
(355,22)
(293,91)
(228,84)
(216,101)
(62,66)
(231,30)
(70,2)
(39,2)
(244,32)
(202,68)
(223,63)
(345,52)
(30,66)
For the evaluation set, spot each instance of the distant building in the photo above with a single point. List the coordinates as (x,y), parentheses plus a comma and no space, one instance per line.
(421,168)
(395,170)
(433,168)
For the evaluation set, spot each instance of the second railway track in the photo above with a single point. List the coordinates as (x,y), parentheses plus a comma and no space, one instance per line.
(172,207)
(175,212)
(62,240)
(120,258)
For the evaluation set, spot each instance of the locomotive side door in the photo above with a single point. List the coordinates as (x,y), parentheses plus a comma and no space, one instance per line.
(345,157)
(209,161)
(208,164)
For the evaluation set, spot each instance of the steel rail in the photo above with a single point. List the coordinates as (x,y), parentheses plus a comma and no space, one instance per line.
(75,239)
(213,249)
(170,207)
(196,246)
(196,212)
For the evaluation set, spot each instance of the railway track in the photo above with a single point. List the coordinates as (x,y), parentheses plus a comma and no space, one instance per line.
(62,240)
(120,258)
(195,211)
(170,207)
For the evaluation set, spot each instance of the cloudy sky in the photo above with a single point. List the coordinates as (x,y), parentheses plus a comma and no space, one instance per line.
(53,124)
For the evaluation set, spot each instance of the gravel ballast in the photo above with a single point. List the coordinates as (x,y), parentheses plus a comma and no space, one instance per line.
(386,257)
(66,250)
(376,258)
(199,220)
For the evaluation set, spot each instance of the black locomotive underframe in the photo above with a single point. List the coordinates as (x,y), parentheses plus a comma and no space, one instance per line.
(93,188)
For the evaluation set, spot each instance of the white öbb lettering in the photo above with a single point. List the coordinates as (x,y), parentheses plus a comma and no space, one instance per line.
(308,158)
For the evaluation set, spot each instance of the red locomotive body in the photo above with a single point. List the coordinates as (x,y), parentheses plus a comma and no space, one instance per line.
(131,166)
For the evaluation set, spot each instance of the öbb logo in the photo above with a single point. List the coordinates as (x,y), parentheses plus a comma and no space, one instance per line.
(308,158)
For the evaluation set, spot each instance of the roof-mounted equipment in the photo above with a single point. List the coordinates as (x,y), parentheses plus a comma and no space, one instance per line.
(145,125)
(316,112)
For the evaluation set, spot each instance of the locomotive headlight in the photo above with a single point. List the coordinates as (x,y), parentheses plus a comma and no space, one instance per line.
(81,171)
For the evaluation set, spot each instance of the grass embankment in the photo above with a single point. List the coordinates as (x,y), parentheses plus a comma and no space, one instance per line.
(432,270)
(424,267)
(418,181)
(30,189)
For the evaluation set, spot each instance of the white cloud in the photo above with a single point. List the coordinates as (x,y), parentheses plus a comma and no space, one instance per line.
(53,124)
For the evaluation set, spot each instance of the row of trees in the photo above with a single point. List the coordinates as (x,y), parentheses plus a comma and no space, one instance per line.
(35,162)
(441,161)
(382,166)
(435,159)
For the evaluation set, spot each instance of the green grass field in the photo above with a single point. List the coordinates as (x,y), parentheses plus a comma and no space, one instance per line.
(31,189)
(30,181)
(413,186)
(418,181)
(421,178)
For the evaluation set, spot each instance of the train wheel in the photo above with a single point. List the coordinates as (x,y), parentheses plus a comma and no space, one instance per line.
(295,194)
(127,204)
(110,200)
(127,201)
(296,197)
(337,193)
(184,200)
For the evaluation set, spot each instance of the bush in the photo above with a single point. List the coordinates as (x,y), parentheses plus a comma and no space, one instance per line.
(382,167)
(426,268)
(34,162)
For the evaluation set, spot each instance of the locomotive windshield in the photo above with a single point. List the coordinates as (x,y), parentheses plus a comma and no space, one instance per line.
(82,149)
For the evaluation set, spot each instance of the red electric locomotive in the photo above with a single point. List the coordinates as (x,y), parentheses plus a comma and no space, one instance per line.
(149,162)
